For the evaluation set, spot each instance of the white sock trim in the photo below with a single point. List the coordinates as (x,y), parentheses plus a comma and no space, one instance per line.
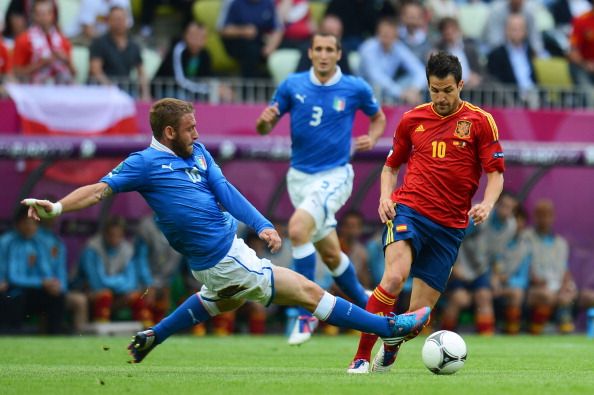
(303,250)
(325,307)
(210,306)
(344,264)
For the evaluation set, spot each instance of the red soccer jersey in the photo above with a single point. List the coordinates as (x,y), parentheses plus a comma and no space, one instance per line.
(445,156)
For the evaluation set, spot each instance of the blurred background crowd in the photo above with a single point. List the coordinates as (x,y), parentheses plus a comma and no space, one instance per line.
(512,275)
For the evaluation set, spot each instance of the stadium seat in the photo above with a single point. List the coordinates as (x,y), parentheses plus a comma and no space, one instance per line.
(282,62)
(207,13)
(67,13)
(544,19)
(553,71)
(318,9)
(151,60)
(354,62)
(472,18)
(80,58)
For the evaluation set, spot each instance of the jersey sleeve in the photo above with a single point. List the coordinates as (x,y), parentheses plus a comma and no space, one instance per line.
(490,151)
(369,104)
(282,96)
(401,146)
(128,175)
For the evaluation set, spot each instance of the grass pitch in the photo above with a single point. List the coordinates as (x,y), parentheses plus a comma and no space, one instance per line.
(246,365)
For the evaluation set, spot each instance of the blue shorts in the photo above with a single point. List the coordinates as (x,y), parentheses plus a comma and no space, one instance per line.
(435,247)
(481,281)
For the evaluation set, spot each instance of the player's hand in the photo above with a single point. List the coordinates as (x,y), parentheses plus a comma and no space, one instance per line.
(480,212)
(272,239)
(267,118)
(364,143)
(42,208)
(386,210)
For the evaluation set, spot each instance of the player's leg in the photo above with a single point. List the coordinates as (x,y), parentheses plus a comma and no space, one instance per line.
(565,301)
(484,314)
(458,298)
(398,259)
(540,301)
(293,288)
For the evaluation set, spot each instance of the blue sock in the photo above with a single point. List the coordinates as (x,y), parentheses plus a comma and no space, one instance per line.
(349,283)
(347,315)
(185,316)
(304,262)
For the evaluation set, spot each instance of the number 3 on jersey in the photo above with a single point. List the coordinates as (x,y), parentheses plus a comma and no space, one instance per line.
(439,149)
(316,116)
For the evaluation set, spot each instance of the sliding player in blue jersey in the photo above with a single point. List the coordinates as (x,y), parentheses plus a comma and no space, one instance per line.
(183,185)
(322,103)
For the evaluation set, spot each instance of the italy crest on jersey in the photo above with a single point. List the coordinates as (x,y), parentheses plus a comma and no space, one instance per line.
(463,129)
(200,162)
(339,104)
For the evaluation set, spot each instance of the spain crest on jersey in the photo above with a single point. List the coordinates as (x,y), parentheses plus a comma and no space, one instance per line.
(339,104)
(201,162)
(463,129)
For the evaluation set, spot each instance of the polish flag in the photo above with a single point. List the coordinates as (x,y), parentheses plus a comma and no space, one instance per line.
(75,110)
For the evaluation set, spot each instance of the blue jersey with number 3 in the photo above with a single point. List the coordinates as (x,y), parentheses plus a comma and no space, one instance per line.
(180,192)
(322,117)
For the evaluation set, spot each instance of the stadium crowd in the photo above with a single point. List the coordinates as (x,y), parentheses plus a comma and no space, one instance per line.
(525,45)
(512,273)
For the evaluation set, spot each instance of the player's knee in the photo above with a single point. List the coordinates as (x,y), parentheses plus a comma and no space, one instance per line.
(298,233)
(393,282)
(330,257)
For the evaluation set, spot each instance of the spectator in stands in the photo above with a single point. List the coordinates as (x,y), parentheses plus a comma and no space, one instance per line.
(5,67)
(295,16)
(32,287)
(465,49)
(359,18)
(251,30)
(414,29)
(511,273)
(556,40)
(330,24)
(388,65)
(164,262)
(109,265)
(91,21)
(18,16)
(114,55)
(438,10)
(42,54)
(76,302)
(512,63)
(350,233)
(581,54)
(469,284)
(551,284)
(500,228)
(149,10)
(495,34)
(185,61)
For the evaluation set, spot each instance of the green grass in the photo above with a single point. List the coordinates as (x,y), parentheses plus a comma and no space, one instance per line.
(266,365)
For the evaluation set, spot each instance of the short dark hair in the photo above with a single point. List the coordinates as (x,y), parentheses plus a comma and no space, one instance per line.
(321,34)
(446,21)
(168,112)
(441,64)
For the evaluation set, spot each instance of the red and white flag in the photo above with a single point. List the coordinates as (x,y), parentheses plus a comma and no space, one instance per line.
(75,110)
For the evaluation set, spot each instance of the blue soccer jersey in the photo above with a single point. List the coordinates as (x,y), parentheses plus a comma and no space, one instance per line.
(184,194)
(322,117)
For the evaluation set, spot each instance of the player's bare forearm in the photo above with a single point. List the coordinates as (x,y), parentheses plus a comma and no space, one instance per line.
(480,212)
(388,179)
(268,119)
(86,196)
(376,129)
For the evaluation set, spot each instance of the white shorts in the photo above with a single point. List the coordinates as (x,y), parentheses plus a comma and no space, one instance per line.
(321,195)
(239,275)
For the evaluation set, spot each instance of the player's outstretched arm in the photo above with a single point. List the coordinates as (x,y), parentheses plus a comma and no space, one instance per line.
(78,199)
(268,119)
(480,212)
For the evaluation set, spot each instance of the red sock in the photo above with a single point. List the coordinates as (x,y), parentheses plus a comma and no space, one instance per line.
(513,317)
(381,302)
(102,306)
(485,323)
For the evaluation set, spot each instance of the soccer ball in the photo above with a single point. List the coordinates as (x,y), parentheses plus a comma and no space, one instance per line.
(444,352)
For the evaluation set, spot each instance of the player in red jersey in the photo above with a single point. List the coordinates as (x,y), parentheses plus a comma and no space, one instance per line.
(446,144)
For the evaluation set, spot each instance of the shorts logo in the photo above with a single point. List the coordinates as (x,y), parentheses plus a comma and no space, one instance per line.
(463,129)
(401,228)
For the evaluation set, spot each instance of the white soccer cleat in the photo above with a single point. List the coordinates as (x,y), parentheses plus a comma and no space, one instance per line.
(358,366)
(383,361)
(303,329)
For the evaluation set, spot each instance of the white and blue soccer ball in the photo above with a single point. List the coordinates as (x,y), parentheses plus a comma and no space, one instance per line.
(444,352)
